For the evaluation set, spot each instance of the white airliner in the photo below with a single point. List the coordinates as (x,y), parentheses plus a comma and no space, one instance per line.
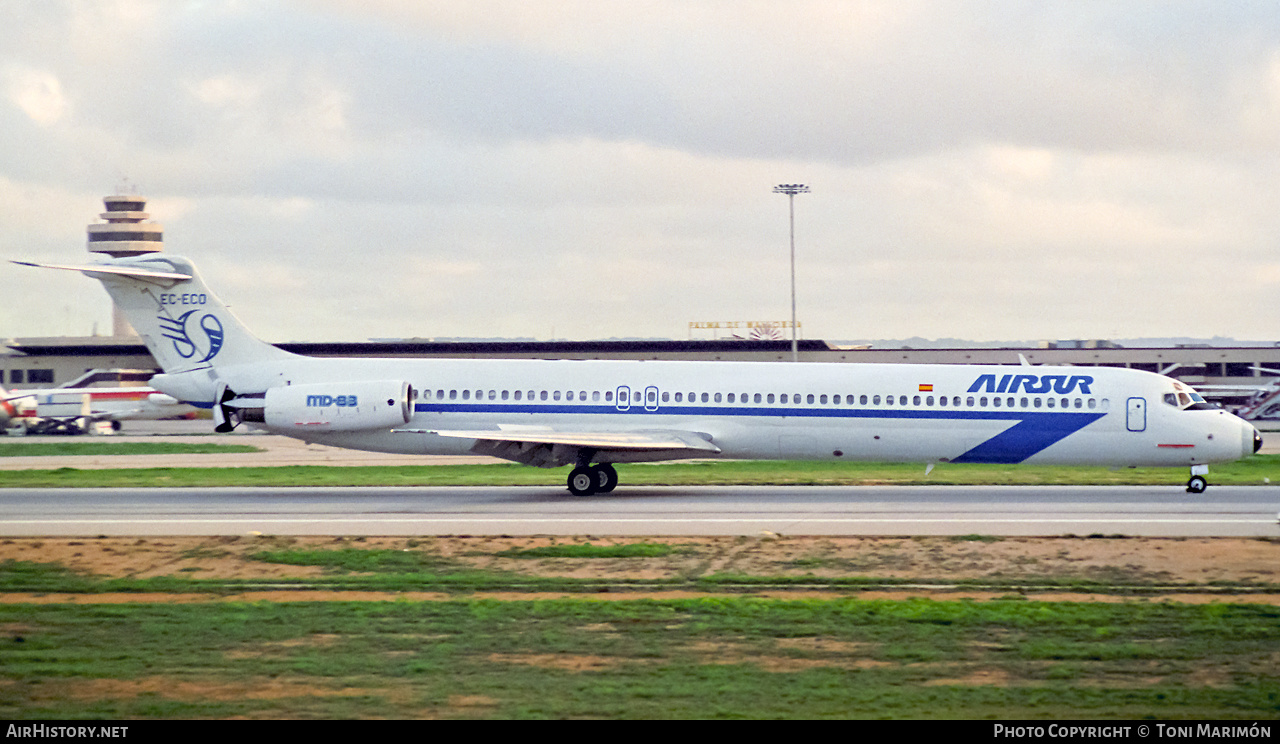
(593,414)
(67,410)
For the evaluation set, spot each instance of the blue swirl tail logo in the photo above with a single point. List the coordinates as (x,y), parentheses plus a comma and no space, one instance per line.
(205,344)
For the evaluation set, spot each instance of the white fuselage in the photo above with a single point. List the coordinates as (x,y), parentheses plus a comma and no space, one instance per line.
(778,410)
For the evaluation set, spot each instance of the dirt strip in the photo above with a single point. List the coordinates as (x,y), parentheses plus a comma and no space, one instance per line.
(1189,569)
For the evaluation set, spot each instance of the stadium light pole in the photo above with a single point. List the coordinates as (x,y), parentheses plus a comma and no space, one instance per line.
(791,189)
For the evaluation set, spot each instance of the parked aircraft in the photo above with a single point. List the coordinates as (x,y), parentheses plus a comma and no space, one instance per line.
(70,410)
(595,414)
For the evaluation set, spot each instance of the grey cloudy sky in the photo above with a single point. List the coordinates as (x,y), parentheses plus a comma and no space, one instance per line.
(343,170)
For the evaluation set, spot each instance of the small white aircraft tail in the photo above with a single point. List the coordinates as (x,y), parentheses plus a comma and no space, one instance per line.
(184,325)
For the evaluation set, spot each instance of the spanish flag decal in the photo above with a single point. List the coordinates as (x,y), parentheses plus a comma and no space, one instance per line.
(926,388)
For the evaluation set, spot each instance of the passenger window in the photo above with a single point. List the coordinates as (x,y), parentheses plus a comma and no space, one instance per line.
(888,400)
(493,395)
(902,400)
(730,398)
(1024,402)
(1079,402)
(770,398)
(466,395)
(506,394)
(915,401)
(568,395)
(757,398)
(439,395)
(1035,402)
(1049,402)
(862,400)
(821,399)
(679,397)
(453,395)
(995,402)
(704,397)
(666,397)
(608,396)
(956,401)
(982,402)
(783,397)
(542,395)
(969,401)
(875,400)
(653,396)
(942,401)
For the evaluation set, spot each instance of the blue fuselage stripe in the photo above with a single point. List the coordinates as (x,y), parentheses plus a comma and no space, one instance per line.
(1033,431)
(775,412)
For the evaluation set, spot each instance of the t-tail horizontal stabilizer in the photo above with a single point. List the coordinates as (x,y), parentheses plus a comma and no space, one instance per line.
(184,325)
(92,269)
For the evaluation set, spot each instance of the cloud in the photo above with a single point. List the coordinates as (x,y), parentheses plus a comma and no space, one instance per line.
(38,94)
(979,169)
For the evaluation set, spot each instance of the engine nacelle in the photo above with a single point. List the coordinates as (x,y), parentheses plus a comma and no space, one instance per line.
(336,406)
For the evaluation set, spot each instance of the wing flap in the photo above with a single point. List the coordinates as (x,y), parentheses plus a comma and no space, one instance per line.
(636,441)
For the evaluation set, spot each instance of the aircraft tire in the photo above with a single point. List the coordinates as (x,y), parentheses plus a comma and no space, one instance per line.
(582,481)
(606,477)
(1197,484)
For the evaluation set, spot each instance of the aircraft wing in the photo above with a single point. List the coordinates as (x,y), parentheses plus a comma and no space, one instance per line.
(547,447)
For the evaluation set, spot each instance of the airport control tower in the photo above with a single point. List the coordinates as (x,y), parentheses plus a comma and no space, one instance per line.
(125,234)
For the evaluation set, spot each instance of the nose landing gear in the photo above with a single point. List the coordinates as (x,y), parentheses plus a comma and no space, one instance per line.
(1197,484)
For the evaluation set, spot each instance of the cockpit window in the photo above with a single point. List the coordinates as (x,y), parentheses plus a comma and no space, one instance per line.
(1187,400)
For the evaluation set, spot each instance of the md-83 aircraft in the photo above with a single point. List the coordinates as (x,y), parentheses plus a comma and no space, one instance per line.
(595,414)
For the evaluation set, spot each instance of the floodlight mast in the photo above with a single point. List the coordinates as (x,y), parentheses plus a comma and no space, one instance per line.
(791,189)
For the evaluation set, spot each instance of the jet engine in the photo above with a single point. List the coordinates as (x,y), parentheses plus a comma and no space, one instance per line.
(330,406)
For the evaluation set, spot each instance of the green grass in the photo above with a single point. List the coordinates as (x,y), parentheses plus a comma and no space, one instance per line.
(587,550)
(1257,470)
(718,657)
(72,448)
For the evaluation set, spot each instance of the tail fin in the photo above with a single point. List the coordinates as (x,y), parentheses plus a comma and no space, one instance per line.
(184,325)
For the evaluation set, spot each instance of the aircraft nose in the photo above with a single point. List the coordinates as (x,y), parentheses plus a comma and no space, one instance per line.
(1257,439)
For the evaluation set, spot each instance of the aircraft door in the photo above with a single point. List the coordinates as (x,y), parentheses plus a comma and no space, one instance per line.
(651,398)
(622,398)
(1137,414)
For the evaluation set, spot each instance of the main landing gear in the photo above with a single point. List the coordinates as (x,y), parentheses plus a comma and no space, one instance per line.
(1197,484)
(585,480)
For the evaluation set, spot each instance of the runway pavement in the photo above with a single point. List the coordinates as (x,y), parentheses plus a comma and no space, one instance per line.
(798,510)
(710,510)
